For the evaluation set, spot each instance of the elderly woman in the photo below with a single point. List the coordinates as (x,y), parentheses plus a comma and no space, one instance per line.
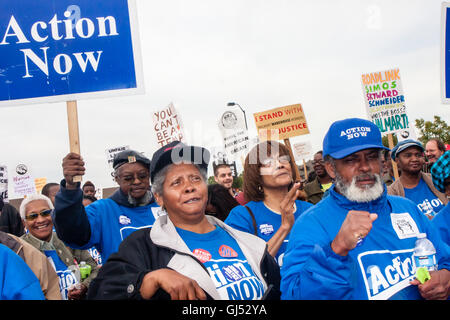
(186,254)
(35,211)
(272,194)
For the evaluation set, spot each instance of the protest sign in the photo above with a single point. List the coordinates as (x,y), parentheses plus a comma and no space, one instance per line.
(4,183)
(66,50)
(232,126)
(110,154)
(168,126)
(23,182)
(385,102)
(286,122)
(39,184)
(445,53)
(302,150)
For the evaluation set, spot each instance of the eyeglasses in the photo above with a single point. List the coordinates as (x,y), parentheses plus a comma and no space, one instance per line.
(130,178)
(32,216)
(269,162)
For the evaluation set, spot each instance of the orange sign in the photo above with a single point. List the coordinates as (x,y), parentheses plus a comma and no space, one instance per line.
(286,122)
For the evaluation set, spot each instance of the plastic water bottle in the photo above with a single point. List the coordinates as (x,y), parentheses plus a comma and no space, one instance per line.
(85,270)
(425,253)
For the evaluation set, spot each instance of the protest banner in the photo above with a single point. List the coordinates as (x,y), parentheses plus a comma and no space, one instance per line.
(302,150)
(445,53)
(168,126)
(39,183)
(110,154)
(23,182)
(233,127)
(4,183)
(281,124)
(67,50)
(385,105)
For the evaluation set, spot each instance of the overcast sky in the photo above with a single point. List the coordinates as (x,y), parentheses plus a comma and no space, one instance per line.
(262,54)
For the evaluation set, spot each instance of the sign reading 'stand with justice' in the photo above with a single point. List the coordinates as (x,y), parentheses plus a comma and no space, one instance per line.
(67,49)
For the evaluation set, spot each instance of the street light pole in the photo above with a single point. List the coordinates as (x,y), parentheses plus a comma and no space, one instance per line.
(231,104)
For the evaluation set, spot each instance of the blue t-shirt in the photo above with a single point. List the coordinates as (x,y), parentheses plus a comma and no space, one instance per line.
(442,223)
(66,277)
(267,221)
(226,264)
(427,202)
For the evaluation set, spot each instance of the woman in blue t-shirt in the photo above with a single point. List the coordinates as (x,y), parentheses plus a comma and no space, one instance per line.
(273,206)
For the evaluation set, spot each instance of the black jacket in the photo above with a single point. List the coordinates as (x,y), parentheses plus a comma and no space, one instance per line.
(10,220)
(159,247)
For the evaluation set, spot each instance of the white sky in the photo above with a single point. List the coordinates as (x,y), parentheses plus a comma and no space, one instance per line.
(262,54)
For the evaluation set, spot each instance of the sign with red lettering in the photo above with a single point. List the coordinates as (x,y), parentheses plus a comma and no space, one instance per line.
(281,123)
(167,125)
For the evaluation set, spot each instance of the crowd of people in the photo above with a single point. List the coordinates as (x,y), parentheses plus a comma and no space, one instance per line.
(348,233)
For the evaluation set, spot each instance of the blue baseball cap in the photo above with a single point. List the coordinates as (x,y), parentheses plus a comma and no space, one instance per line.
(405,144)
(348,136)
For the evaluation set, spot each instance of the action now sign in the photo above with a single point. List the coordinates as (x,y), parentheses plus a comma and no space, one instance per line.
(61,50)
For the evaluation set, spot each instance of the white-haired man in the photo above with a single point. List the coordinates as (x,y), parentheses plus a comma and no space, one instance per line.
(358,242)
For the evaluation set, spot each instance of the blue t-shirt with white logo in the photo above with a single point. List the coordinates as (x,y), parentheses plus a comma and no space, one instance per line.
(427,202)
(267,221)
(65,276)
(226,264)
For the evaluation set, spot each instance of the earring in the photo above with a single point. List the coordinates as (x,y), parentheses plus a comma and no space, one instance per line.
(260,189)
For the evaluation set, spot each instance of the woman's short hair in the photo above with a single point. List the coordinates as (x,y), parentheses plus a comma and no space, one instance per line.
(30,198)
(160,177)
(252,176)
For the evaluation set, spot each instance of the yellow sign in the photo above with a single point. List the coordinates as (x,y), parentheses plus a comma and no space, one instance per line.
(40,183)
(281,123)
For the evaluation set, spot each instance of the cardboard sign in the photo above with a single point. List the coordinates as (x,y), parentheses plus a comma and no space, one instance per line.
(63,50)
(385,102)
(4,183)
(234,131)
(168,126)
(281,123)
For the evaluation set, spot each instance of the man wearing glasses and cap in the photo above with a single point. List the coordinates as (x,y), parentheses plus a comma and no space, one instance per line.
(106,222)
(358,242)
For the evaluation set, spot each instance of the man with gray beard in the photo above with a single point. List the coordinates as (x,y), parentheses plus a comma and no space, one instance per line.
(106,222)
(358,243)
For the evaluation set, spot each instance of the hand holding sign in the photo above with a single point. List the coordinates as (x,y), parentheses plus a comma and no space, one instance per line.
(73,165)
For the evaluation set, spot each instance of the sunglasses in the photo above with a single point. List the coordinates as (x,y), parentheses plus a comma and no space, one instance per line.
(33,216)
(269,162)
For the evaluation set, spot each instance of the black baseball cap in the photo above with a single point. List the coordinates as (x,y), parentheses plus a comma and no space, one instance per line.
(177,152)
(130,156)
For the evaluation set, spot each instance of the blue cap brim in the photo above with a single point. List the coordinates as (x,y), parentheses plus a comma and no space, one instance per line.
(342,153)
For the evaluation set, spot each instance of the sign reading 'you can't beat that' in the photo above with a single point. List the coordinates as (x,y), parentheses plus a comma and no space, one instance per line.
(60,50)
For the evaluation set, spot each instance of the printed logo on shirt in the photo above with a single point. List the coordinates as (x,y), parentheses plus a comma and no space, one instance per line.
(427,207)
(235,281)
(386,273)
(124,220)
(202,255)
(227,252)
(404,225)
(266,229)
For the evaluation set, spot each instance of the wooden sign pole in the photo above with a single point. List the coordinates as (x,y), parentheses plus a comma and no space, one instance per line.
(291,154)
(74,138)
(394,164)
(305,170)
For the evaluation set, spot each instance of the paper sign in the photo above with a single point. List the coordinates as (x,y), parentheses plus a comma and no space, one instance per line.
(4,183)
(39,184)
(302,150)
(168,126)
(385,102)
(110,154)
(23,182)
(281,123)
(233,128)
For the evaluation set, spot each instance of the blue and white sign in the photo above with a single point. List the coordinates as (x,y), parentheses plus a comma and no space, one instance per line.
(445,53)
(61,50)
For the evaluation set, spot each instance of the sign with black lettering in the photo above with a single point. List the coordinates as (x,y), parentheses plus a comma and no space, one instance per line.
(61,50)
